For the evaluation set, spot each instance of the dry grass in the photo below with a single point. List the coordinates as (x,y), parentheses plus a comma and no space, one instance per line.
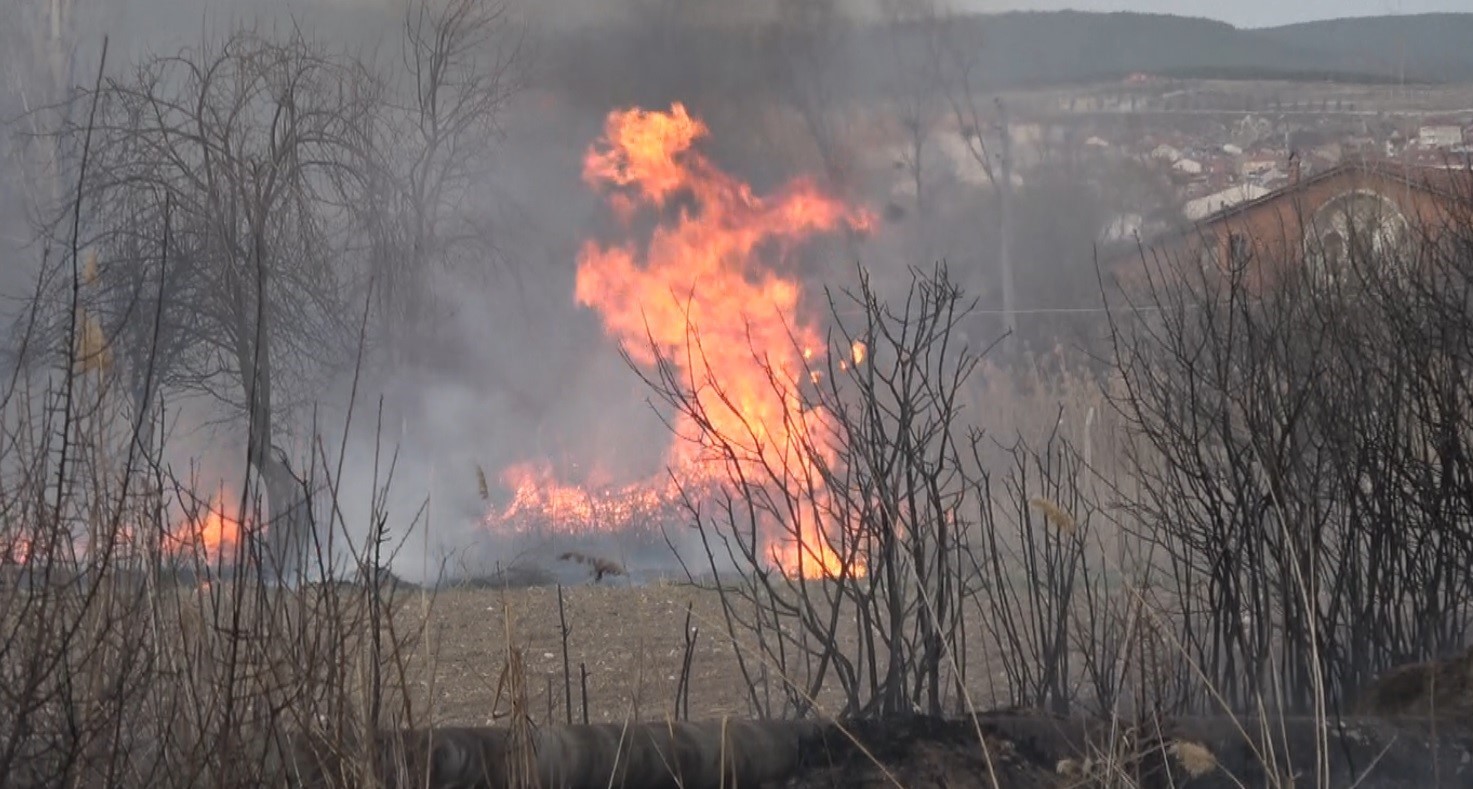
(628,638)
(630,641)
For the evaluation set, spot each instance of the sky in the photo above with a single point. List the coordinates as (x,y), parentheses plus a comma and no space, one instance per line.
(1243,13)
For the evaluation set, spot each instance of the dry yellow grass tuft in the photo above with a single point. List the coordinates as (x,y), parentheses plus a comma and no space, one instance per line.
(512,703)
(1194,758)
(1055,514)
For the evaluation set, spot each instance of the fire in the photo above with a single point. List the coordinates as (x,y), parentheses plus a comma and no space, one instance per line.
(706,293)
(212,533)
(15,550)
(539,501)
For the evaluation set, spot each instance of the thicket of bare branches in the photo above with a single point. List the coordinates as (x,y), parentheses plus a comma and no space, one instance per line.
(233,210)
(895,531)
(133,656)
(1297,480)
(1287,521)
(262,206)
(1301,457)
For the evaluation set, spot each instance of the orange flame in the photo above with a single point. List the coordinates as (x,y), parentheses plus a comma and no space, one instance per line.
(212,533)
(539,500)
(15,550)
(705,294)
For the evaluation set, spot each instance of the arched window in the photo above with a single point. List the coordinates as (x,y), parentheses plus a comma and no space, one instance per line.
(1207,252)
(1355,227)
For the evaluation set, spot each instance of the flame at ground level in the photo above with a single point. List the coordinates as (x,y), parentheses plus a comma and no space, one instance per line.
(210,533)
(542,503)
(705,292)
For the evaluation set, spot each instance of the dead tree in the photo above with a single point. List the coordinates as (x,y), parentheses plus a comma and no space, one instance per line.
(248,148)
(813,37)
(915,94)
(300,187)
(462,63)
(988,137)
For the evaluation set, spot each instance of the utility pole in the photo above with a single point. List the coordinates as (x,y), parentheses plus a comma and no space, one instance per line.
(1005,219)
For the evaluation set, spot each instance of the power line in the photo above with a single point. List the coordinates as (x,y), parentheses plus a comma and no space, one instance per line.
(1040,310)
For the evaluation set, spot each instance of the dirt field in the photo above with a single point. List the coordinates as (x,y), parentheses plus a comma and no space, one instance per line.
(629,638)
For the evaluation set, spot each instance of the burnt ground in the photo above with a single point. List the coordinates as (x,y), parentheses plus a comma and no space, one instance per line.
(1039,750)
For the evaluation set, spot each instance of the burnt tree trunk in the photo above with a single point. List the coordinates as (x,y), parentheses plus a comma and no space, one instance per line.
(287,523)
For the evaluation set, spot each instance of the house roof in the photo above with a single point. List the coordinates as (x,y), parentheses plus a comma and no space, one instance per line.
(1446,182)
(1449,183)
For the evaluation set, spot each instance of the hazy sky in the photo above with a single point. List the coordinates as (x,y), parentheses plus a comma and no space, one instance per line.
(1243,13)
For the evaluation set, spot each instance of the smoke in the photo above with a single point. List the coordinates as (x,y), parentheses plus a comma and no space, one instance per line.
(514,371)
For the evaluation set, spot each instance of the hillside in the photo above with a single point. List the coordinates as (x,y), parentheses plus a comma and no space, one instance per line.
(655,58)
(1435,46)
(1038,48)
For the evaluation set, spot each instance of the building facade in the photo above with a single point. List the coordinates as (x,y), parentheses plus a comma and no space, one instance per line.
(1368,205)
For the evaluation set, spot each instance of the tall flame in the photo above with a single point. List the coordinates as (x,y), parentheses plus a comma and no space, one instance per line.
(704,293)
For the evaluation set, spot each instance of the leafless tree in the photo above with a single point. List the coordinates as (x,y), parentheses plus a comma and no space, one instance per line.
(915,93)
(1300,452)
(298,189)
(988,137)
(245,153)
(462,63)
(811,63)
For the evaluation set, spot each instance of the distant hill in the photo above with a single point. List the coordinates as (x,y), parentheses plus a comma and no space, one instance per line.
(652,60)
(1436,47)
(1024,48)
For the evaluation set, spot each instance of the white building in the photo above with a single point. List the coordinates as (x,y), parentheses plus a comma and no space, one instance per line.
(1210,204)
(1439,136)
(1188,166)
(1166,152)
(1123,227)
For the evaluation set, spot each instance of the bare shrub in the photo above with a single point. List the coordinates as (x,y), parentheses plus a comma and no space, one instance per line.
(154,636)
(1299,444)
(850,560)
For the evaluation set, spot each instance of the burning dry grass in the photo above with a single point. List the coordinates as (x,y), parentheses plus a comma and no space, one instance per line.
(706,293)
